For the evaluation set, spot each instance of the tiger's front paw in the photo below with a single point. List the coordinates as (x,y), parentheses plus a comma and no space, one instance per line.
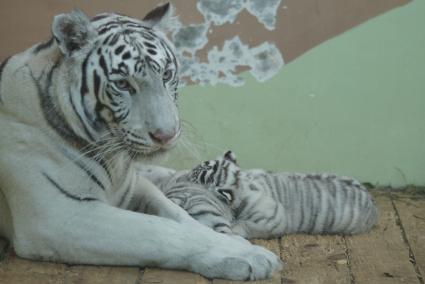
(239,260)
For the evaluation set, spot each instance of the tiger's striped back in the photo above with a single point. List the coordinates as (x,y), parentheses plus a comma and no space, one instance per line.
(297,203)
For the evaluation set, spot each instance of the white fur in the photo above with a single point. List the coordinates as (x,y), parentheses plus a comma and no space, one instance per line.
(42,223)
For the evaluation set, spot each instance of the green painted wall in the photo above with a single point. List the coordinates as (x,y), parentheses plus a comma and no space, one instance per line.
(354,105)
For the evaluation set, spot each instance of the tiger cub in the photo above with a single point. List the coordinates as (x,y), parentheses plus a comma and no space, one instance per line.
(260,204)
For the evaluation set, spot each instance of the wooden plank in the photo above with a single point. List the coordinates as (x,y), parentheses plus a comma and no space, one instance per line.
(101,274)
(381,256)
(315,259)
(17,270)
(156,276)
(411,209)
(272,245)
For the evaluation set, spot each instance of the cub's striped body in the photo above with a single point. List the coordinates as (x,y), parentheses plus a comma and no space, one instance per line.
(77,113)
(260,204)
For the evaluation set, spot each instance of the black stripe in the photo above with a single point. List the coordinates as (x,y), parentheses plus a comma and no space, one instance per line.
(91,176)
(67,194)
(124,195)
(114,39)
(102,64)
(236,177)
(119,49)
(214,169)
(86,131)
(329,213)
(202,177)
(3,64)
(204,212)
(240,208)
(302,206)
(351,194)
(316,204)
(84,89)
(171,54)
(96,84)
(126,55)
(279,188)
(52,114)
(105,41)
(90,156)
(148,44)
(218,225)
(153,64)
(146,36)
(220,177)
(99,17)
(43,45)
(106,29)
(151,51)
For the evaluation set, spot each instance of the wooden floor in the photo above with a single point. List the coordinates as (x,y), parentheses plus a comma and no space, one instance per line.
(394,252)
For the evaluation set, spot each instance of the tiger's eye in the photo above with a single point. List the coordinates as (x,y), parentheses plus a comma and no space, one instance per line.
(122,85)
(167,75)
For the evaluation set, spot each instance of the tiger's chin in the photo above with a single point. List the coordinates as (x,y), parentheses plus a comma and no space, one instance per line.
(152,155)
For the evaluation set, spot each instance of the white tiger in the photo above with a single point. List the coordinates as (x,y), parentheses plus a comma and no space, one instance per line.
(260,204)
(76,114)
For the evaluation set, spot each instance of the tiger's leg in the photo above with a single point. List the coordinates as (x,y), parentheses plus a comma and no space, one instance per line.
(151,200)
(147,198)
(50,225)
(155,174)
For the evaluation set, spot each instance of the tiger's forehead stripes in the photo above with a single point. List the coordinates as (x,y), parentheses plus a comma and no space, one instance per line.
(129,52)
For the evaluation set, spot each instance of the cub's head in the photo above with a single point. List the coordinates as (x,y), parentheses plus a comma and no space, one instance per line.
(122,75)
(222,176)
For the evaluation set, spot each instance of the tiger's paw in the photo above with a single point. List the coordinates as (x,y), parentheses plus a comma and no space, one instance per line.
(240,261)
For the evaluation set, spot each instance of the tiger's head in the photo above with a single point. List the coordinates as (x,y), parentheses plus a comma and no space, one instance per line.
(221,176)
(122,74)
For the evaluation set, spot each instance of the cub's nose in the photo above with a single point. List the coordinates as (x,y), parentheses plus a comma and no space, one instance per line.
(162,137)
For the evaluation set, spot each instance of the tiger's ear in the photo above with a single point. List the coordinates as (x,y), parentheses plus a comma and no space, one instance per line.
(72,31)
(162,17)
(230,156)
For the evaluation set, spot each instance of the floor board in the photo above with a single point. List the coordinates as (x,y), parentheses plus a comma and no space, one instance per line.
(381,256)
(394,252)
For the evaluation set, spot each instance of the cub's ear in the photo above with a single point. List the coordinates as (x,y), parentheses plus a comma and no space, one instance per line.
(162,17)
(230,156)
(72,31)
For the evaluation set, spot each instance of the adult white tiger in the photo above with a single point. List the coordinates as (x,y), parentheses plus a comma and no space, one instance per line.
(75,112)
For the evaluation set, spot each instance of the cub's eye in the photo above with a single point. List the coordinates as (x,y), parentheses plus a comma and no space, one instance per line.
(167,75)
(123,85)
(227,194)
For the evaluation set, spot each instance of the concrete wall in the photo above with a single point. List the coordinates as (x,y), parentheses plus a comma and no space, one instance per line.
(354,105)
(307,97)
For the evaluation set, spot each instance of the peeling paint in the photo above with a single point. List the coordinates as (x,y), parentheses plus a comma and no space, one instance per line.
(264,10)
(264,61)
(221,67)
(220,11)
(191,38)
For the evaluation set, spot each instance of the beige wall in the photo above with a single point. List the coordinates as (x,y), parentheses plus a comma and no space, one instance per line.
(301,24)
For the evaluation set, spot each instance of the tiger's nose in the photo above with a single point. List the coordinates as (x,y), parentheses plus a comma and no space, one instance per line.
(162,137)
